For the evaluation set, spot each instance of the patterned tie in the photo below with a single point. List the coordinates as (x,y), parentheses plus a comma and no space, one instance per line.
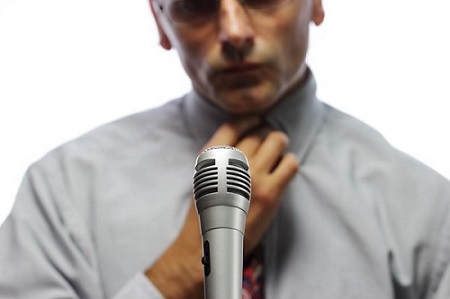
(253,275)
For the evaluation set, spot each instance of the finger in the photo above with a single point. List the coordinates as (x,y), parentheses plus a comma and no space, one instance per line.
(270,151)
(286,169)
(249,144)
(230,133)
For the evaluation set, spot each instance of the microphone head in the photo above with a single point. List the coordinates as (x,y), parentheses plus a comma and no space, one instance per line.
(222,177)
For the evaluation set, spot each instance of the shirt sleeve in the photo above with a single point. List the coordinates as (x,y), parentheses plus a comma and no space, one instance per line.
(137,288)
(46,250)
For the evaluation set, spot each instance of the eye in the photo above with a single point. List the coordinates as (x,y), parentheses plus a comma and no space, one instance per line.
(263,4)
(185,6)
(192,11)
(182,7)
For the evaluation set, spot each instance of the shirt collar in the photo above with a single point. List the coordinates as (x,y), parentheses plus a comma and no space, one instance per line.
(299,115)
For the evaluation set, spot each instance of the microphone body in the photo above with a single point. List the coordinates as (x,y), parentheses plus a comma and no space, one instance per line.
(222,188)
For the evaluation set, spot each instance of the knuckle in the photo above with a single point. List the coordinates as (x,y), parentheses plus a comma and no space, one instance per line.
(292,162)
(279,138)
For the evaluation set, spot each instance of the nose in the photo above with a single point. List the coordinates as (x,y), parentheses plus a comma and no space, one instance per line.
(236,29)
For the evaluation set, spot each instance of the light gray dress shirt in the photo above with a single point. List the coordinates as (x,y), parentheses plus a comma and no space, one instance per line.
(360,220)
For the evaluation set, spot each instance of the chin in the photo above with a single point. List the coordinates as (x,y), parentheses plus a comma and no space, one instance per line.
(245,100)
(249,103)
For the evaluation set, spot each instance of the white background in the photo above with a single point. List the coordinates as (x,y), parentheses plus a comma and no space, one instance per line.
(67,66)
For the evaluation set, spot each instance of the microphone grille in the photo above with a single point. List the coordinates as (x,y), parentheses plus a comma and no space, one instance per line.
(222,169)
(206,179)
(238,178)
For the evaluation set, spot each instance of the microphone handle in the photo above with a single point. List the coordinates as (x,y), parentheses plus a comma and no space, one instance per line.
(223,262)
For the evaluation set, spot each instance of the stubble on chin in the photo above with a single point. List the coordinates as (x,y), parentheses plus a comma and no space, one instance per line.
(246,101)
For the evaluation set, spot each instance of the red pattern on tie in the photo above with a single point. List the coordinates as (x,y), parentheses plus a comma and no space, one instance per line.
(253,276)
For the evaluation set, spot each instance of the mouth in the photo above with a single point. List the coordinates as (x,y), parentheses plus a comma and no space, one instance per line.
(241,68)
(238,75)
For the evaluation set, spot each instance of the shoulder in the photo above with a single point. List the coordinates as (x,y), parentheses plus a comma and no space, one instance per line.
(133,129)
(121,142)
(113,156)
(341,128)
(370,154)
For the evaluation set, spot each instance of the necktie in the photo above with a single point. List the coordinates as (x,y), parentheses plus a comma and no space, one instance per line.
(253,271)
(253,276)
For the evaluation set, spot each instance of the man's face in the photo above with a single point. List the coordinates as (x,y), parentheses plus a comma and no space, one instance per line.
(240,59)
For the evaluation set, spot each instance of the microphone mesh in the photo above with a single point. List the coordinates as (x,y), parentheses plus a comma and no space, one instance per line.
(238,178)
(206,179)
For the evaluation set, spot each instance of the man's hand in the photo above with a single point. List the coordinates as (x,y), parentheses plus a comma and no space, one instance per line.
(271,170)
(178,273)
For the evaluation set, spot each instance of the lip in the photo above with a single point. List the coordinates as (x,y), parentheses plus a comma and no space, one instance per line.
(241,68)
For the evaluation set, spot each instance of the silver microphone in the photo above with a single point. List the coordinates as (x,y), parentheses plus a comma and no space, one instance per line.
(222,187)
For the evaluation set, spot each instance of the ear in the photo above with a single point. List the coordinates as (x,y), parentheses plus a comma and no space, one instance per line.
(318,14)
(163,39)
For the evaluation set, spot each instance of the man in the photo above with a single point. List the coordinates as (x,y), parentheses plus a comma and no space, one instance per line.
(111,214)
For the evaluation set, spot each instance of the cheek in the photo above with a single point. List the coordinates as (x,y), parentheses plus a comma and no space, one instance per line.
(292,43)
(194,47)
(190,54)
